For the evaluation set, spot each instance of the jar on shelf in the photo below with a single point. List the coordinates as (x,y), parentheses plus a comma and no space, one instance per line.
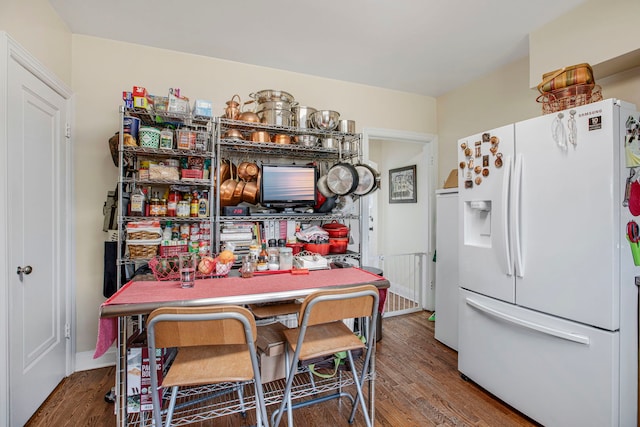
(286,258)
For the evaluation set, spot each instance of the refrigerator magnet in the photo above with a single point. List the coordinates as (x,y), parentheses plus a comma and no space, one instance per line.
(494,140)
(478,180)
(463,165)
(485,161)
(468,184)
(477,169)
(486,137)
(499,160)
(485,172)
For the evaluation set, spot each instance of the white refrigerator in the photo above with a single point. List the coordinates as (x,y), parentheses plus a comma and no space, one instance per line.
(548,304)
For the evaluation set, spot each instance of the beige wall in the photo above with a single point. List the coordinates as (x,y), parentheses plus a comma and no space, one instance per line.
(36,27)
(102,69)
(603,33)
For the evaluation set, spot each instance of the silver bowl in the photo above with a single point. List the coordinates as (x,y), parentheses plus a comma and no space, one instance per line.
(306,140)
(325,119)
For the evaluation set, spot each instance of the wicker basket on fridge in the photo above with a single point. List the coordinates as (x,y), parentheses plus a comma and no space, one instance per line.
(568,87)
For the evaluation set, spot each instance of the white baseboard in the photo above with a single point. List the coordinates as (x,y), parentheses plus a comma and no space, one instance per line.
(85,360)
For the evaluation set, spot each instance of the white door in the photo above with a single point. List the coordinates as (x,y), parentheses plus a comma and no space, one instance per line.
(569,216)
(37,199)
(485,261)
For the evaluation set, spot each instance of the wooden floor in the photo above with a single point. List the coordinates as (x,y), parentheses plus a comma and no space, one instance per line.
(417,385)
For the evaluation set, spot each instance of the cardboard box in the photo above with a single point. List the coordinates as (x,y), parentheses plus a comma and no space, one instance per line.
(139,375)
(452,179)
(271,348)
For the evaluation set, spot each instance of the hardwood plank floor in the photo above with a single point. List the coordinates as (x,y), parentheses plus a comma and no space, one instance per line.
(418,384)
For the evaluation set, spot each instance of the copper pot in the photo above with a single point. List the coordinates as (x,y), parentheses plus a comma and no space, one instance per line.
(250,192)
(233,108)
(248,171)
(260,136)
(237,193)
(227,169)
(281,138)
(227,190)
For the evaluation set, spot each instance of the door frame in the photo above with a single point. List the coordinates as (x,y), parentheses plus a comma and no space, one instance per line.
(431,158)
(10,50)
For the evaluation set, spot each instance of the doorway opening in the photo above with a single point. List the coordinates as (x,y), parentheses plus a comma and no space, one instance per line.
(398,237)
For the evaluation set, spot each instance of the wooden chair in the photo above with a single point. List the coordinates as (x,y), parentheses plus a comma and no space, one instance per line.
(215,345)
(321,332)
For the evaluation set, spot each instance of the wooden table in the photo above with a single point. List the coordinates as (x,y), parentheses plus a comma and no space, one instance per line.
(140,298)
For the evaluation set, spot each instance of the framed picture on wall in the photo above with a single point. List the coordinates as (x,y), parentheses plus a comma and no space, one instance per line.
(402,185)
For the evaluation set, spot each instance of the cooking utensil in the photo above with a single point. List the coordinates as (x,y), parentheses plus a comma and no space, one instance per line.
(302,116)
(248,171)
(248,116)
(330,143)
(346,126)
(276,117)
(342,178)
(627,188)
(306,140)
(250,192)
(325,119)
(233,134)
(272,95)
(368,179)
(336,229)
(321,185)
(233,108)
(633,232)
(260,136)
(281,138)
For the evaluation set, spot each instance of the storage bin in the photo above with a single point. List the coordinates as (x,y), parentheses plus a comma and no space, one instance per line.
(149,137)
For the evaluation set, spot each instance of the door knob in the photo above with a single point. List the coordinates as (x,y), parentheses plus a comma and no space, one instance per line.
(25,270)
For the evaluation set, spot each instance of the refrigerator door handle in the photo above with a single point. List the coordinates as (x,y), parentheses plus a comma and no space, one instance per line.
(569,336)
(506,178)
(517,205)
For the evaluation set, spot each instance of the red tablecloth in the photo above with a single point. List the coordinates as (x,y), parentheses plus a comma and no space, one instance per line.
(170,291)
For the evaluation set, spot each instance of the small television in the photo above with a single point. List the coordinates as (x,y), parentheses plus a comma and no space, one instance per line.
(286,186)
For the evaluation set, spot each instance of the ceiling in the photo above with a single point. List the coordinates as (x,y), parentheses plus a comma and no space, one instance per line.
(427,47)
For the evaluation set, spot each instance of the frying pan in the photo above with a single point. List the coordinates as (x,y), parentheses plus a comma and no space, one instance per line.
(342,178)
(368,180)
(322,183)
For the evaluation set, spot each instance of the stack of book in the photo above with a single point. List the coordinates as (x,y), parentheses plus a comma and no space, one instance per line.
(240,234)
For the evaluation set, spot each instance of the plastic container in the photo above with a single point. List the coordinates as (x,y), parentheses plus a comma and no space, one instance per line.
(149,137)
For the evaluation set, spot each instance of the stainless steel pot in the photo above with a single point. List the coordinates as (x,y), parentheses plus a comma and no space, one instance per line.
(346,126)
(301,116)
(330,143)
(275,117)
(272,95)
(275,105)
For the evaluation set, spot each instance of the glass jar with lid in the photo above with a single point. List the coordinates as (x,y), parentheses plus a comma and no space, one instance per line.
(286,258)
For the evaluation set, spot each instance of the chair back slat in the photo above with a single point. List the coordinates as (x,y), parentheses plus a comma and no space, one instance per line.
(185,333)
(344,306)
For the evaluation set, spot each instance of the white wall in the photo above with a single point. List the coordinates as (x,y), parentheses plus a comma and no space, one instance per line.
(36,27)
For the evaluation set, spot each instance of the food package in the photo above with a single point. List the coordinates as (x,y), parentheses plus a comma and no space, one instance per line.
(160,171)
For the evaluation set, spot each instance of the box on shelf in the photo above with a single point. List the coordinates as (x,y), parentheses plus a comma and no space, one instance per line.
(203,108)
(186,139)
(188,174)
(270,343)
(139,375)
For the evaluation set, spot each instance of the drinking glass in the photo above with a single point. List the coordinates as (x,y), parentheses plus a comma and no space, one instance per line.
(188,263)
